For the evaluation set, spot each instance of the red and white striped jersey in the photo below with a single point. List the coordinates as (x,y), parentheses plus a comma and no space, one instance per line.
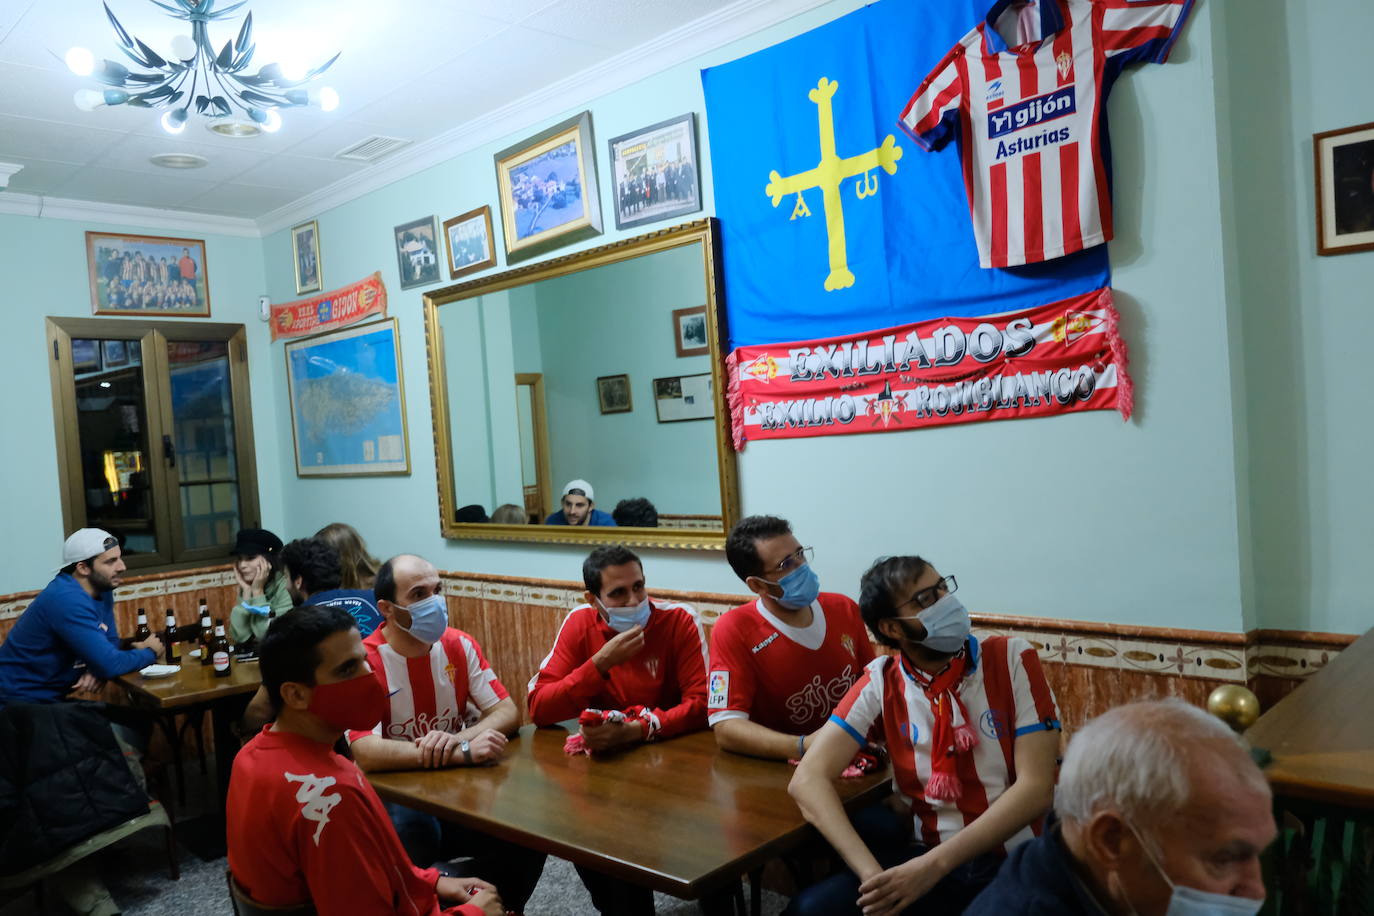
(1006,696)
(1030,119)
(447,689)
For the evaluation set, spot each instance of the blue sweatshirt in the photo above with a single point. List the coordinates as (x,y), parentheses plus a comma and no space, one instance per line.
(599,518)
(63,626)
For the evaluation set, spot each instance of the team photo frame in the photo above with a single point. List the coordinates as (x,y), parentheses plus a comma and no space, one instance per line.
(468,242)
(1344,171)
(147,275)
(305,256)
(655,174)
(547,189)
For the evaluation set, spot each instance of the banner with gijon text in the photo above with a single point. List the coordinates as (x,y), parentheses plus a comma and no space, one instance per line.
(333,309)
(1058,358)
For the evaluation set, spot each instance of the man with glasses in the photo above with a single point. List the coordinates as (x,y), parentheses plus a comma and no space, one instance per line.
(780,663)
(973,732)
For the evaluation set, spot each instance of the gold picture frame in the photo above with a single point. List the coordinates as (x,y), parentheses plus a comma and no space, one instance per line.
(475,251)
(305,257)
(547,189)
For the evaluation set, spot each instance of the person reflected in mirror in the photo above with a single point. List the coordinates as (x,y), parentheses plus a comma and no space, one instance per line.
(471,515)
(1161,810)
(509,514)
(356,563)
(579,507)
(304,827)
(635,513)
(262,589)
(973,731)
(445,708)
(781,662)
(622,651)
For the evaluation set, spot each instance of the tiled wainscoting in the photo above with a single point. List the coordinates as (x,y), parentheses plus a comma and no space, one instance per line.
(1091,666)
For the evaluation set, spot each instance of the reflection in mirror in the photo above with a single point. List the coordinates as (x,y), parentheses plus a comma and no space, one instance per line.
(527,413)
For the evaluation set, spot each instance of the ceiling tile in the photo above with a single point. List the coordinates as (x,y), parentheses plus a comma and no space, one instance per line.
(121,187)
(616,26)
(39,176)
(232,199)
(303,174)
(31,138)
(225,161)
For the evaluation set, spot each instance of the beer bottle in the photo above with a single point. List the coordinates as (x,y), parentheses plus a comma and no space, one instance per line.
(220,651)
(169,639)
(142,632)
(206,634)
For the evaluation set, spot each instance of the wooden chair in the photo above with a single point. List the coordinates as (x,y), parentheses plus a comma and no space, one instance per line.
(247,906)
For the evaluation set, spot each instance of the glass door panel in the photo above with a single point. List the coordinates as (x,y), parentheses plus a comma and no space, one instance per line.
(207,471)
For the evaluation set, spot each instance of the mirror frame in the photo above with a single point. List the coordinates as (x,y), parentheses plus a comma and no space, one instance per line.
(704,232)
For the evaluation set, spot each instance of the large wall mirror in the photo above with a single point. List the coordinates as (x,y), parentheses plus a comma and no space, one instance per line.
(604,366)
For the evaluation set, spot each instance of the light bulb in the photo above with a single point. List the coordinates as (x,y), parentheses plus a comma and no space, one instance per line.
(293,71)
(115,96)
(328,98)
(272,123)
(80,61)
(88,99)
(174,121)
(183,48)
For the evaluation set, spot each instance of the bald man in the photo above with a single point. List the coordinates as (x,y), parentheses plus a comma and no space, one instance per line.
(1161,811)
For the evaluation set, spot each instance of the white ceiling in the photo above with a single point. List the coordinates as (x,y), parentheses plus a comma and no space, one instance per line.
(413,69)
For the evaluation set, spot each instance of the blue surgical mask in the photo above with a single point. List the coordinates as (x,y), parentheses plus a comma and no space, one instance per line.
(428,618)
(800,587)
(621,619)
(1189,901)
(947,625)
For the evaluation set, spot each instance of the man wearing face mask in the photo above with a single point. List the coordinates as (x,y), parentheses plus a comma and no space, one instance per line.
(780,664)
(1162,813)
(446,708)
(973,732)
(616,651)
(303,824)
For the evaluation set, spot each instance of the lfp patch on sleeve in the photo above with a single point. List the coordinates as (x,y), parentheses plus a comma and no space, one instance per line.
(719,690)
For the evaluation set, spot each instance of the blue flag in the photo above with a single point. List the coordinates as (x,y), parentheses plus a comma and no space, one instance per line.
(833,221)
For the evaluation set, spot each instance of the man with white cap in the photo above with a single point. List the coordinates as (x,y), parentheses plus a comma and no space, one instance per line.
(70,622)
(579,507)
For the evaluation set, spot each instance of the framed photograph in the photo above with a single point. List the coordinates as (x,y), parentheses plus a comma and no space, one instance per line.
(467,238)
(114,353)
(1345,189)
(417,253)
(689,331)
(147,275)
(613,393)
(547,189)
(85,355)
(305,254)
(684,397)
(348,402)
(655,172)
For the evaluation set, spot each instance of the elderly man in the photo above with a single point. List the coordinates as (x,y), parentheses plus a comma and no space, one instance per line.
(579,507)
(1162,811)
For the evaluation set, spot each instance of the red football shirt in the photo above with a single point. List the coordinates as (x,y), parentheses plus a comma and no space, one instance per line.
(668,676)
(782,677)
(304,825)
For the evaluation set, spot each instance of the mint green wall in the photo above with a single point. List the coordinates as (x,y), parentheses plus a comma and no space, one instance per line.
(43,262)
(618,319)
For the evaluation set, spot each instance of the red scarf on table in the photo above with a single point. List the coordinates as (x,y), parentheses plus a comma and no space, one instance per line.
(953,734)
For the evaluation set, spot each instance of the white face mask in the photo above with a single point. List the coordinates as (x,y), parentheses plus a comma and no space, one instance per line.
(1190,901)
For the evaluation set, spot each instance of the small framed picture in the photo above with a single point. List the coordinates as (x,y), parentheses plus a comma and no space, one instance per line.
(467,238)
(305,254)
(655,172)
(684,397)
(417,253)
(689,331)
(85,355)
(1345,189)
(547,189)
(115,353)
(613,393)
(147,275)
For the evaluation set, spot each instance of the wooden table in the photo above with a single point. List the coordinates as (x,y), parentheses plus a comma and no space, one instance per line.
(678,817)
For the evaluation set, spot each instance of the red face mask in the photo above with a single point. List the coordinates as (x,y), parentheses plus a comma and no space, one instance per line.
(358,703)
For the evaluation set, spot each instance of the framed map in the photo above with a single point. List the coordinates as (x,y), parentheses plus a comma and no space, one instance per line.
(348,402)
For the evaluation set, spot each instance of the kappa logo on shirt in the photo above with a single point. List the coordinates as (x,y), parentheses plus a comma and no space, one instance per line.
(315,805)
(652,665)
(719,690)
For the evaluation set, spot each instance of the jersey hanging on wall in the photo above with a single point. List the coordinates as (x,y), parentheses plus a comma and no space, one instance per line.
(1029,117)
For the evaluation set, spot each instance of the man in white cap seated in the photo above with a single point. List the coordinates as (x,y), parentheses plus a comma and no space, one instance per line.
(1162,811)
(579,507)
(72,622)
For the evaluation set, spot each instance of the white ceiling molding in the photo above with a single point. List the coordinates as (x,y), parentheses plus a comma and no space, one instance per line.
(6,170)
(86,211)
(731,23)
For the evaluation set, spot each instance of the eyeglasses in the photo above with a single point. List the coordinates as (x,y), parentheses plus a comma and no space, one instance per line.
(928,596)
(793,560)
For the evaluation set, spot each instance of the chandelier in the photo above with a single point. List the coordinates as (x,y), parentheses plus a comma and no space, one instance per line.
(194,75)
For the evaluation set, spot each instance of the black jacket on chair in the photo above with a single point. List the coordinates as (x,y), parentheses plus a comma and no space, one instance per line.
(63,778)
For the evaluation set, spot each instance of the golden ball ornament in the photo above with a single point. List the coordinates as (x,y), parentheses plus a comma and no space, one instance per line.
(1235,705)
